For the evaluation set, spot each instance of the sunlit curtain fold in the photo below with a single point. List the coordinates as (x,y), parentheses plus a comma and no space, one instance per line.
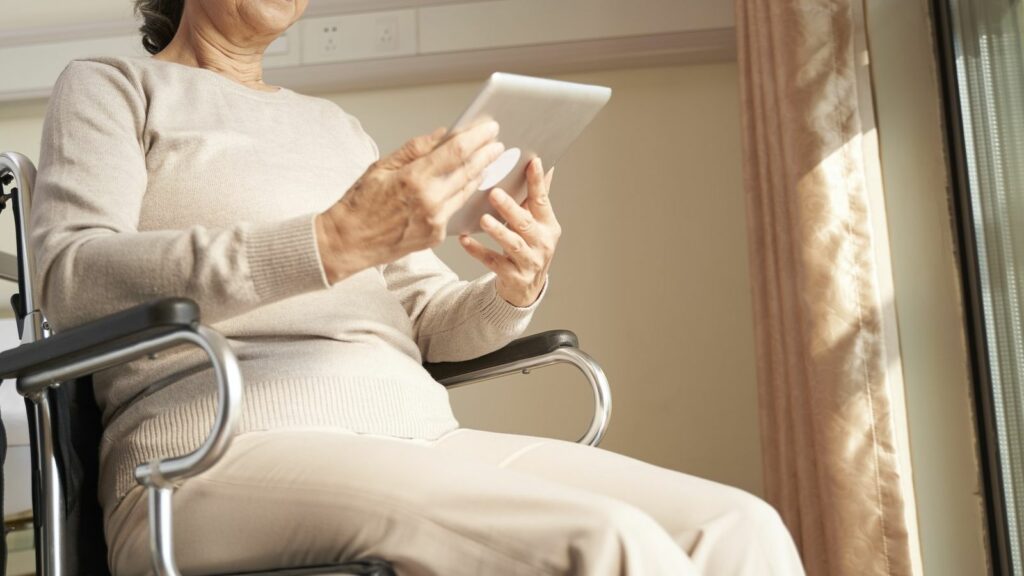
(831,456)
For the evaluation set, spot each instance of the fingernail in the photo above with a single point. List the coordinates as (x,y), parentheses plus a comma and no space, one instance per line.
(489,220)
(536,166)
(493,127)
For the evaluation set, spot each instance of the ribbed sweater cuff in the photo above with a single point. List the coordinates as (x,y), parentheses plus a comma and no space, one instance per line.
(499,312)
(284,259)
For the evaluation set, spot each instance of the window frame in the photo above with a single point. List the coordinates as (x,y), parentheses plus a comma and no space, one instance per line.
(998,532)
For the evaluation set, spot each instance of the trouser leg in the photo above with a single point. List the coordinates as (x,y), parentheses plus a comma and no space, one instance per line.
(724,530)
(294,498)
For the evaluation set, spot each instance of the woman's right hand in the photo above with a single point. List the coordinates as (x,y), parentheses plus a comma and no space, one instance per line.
(402,203)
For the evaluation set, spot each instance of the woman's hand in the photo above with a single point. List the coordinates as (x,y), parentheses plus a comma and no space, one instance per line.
(402,203)
(528,241)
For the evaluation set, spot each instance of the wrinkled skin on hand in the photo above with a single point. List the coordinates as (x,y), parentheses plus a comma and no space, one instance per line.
(528,239)
(403,202)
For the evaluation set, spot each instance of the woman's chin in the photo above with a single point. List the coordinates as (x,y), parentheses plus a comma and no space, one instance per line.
(274,15)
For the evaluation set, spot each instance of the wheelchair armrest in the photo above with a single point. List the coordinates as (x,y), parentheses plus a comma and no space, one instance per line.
(136,324)
(525,354)
(125,336)
(122,337)
(452,373)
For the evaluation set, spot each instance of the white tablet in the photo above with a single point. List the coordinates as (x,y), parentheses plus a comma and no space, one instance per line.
(538,117)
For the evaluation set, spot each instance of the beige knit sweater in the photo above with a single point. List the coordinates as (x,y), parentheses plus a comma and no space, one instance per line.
(158,179)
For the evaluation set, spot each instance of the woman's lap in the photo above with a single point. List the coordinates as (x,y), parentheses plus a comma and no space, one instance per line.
(698,514)
(470,503)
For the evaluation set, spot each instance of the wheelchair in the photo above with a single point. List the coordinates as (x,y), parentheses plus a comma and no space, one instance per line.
(53,372)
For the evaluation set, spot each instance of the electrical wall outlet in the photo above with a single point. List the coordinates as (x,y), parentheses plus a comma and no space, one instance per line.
(386,31)
(359,37)
(328,39)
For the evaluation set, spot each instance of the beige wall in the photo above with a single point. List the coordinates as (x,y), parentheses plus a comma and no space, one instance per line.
(928,305)
(21,14)
(651,272)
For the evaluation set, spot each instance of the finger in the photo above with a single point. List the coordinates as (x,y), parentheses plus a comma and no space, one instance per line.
(414,149)
(456,151)
(437,135)
(456,201)
(516,249)
(519,219)
(547,181)
(426,144)
(537,198)
(475,165)
(492,260)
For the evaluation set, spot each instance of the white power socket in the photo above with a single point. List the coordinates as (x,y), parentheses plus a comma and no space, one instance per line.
(359,36)
(386,31)
(328,39)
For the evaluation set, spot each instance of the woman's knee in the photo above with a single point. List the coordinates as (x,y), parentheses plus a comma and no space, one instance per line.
(616,520)
(748,537)
(759,516)
(616,538)
(749,519)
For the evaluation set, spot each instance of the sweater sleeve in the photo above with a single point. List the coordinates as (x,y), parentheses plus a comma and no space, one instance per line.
(90,257)
(454,319)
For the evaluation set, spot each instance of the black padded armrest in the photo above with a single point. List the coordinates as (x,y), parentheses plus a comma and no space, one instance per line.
(137,323)
(370,567)
(521,349)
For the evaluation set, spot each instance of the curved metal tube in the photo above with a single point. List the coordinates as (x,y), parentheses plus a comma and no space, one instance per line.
(601,389)
(164,473)
(52,527)
(161,531)
(24,174)
(159,476)
(566,355)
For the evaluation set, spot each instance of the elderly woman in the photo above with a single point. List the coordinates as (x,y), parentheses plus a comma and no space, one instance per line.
(184,174)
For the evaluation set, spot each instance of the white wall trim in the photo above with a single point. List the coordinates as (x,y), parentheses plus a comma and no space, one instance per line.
(67,32)
(328,7)
(704,46)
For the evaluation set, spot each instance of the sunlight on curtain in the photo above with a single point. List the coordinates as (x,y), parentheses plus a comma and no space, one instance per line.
(829,386)
(990,68)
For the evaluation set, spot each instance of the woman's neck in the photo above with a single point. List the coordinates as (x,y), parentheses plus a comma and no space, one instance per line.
(204,47)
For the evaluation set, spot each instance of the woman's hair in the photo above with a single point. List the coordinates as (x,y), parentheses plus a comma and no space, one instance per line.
(160,19)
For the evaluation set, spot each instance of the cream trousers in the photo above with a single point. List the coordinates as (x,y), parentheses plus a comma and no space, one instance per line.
(470,503)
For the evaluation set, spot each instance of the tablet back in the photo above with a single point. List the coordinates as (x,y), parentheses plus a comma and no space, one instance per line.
(538,117)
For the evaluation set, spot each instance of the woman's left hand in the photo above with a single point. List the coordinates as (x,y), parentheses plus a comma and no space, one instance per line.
(528,240)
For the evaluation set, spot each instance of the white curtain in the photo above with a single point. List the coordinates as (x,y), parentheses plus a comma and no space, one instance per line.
(828,365)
